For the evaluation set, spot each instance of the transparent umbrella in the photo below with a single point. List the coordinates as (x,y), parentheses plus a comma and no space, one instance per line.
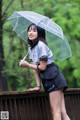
(57,41)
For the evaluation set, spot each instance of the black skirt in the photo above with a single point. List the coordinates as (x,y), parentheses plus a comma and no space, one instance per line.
(53,79)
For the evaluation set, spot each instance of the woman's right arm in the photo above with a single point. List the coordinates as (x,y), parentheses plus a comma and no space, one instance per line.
(37,78)
(38,83)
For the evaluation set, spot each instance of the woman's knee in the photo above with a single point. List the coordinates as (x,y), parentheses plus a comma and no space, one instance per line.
(57,115)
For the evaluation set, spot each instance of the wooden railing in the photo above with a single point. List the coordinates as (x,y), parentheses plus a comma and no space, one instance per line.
(35,105)
(72,100)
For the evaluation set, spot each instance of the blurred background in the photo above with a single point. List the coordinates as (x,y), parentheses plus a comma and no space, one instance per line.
(65,13)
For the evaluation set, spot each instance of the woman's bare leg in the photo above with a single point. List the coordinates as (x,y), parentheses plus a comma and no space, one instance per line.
(56,102)
(63,110)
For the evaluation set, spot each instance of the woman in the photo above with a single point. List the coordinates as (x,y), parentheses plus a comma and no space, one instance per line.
(47,71)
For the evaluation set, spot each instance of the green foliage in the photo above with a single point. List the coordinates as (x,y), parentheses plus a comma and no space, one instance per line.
(65,13)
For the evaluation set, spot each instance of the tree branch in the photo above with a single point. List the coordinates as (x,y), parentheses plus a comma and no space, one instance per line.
(7,7)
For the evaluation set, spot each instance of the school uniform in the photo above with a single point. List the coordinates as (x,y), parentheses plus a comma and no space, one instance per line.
(52,78)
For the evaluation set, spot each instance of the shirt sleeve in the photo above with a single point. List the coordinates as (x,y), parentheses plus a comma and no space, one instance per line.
(43,52)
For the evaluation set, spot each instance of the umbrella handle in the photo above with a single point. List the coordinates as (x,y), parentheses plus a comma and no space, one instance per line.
(23,59)
(25,56)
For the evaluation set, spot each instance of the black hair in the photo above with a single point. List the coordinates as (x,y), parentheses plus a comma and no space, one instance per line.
(41,34)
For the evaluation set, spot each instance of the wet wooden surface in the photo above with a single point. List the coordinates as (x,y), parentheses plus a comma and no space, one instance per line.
(25,105)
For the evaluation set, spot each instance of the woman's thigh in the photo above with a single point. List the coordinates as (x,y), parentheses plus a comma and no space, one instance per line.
(56,100)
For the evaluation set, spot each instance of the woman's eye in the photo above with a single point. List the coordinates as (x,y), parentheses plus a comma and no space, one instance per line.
(29,30)
(34,30)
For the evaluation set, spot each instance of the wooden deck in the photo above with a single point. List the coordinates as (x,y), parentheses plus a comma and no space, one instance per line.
(35,105)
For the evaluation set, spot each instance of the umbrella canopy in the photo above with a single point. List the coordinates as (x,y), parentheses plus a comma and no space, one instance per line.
(57,41)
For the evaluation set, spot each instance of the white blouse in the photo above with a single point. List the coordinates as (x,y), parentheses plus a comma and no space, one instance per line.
(40,51)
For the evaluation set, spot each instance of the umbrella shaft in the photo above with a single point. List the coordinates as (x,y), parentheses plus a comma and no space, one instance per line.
(23,59)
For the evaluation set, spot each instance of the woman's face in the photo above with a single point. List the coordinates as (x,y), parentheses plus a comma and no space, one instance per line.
(32,33)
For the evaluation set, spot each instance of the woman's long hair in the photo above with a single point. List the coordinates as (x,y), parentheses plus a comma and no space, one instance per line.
(41,34)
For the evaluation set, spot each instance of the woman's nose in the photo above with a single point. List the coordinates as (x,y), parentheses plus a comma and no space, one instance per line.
(30,32)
